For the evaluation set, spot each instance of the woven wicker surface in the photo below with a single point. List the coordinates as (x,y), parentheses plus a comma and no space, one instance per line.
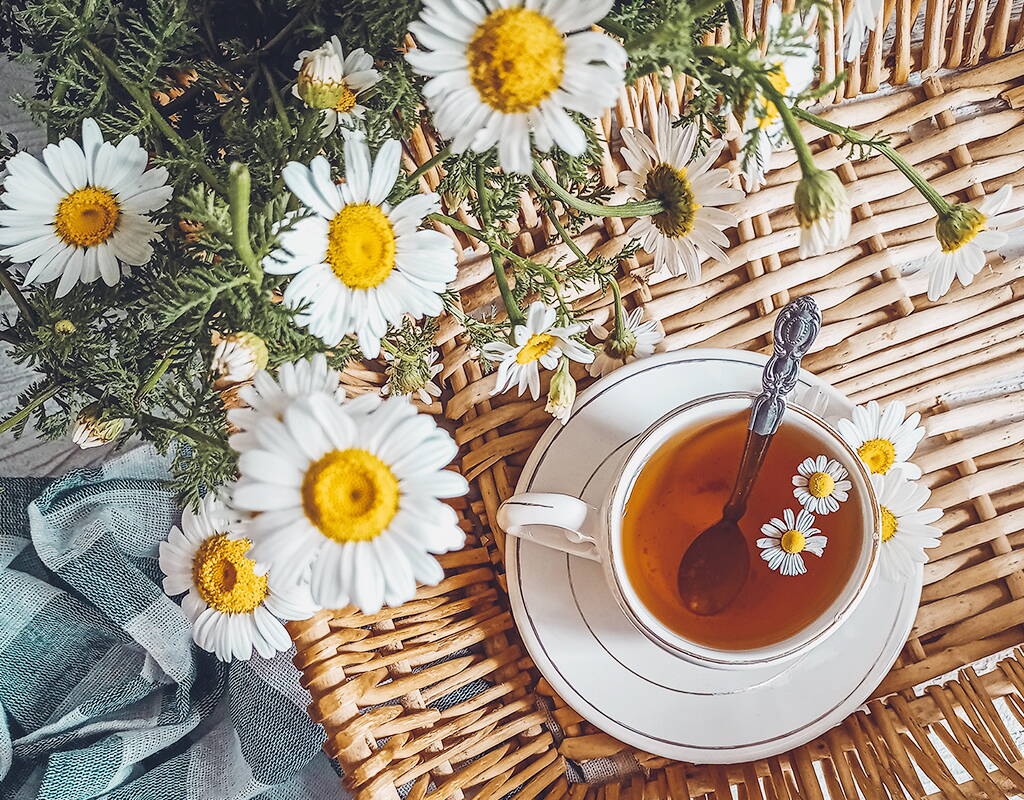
(376,680)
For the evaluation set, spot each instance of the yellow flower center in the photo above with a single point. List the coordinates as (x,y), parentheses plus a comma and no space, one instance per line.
(536,347)
(346,102)
(673,188)
(889,524)
(820,484)
(87,217)
(361,246)
(225,578)
(779,80)
(350,495)
(793,541)
(516,59)
(878,454)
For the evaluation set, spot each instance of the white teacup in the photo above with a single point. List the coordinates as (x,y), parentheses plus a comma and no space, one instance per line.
(568,524)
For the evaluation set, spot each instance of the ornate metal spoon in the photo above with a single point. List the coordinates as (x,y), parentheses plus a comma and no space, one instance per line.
(715,565)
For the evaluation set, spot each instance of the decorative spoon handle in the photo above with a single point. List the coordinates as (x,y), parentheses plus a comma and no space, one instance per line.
(796,328)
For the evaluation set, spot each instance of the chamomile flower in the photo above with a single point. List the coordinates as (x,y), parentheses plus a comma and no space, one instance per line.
(354,498)
(636,340)
(360,264)
(331,81)
(501,72)
(964,235)
(863,17)
(792,73)
(238,357)
(82,212)
(906,528)
(691,225)
(823,211)
(538,343)
(93,428)
(267,397)
(561,393)
(785,540)
(235,607)
(821,485)
(885,439)
(415,380)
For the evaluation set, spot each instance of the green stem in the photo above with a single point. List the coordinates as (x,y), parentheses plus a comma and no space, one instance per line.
(60,88)
(27,313)
(275,97)
(937,201)
(643,208)
(476,233)
(620,314)
(31,406)
(189,433)
(515,316)
(562,232)
(154,377)
(803,152)
(142,98)
(239,186)
(429,164)
(617,29)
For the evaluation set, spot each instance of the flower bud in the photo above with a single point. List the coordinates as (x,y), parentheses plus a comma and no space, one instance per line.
(562,393)
(238,357)
(823,211)
(321,82)
(958,226)
(64,327)
(92,430)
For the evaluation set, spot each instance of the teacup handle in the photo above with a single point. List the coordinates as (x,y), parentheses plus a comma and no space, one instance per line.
(553,520)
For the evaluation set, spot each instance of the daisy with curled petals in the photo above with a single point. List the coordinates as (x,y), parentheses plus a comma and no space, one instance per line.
(785,540)
(82,212)
(884,439)
(690,226)
(331,81)
(637,339)
(965,234)
(353,498)
(907,529)
(792,74)
(360,264)
(501,72)
(235,607)
(415,379)
(821,484)
(267,397)
(538,343)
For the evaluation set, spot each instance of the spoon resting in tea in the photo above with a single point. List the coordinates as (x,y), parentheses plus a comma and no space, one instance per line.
(715,565)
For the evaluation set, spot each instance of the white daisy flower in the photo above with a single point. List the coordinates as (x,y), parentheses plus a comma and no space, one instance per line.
(353,497)
(637,340)
(268,397)
(538,343)
(823,211)
(83,211)
(235,607)
(500,72)
(884,439)
(786,539)
(331,81)
(417,381)
(691,225)
(763,131)
(238,357)
(821,485)
(94,429)
(360,264)
(906,528)
(964,235)
(863,17)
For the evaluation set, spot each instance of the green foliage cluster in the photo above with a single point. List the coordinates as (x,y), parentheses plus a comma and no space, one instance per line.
(204,83)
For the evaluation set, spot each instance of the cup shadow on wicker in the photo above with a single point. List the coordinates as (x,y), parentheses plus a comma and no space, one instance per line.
(377,681)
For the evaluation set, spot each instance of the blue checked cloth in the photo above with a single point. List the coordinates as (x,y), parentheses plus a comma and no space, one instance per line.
(102,692)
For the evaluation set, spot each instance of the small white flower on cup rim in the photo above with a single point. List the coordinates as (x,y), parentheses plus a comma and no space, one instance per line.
(786,540)
(821,484)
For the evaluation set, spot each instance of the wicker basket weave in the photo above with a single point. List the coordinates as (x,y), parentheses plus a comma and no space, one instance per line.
(438,698)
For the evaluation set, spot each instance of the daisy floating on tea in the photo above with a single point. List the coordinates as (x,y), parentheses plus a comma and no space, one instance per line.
(884,438)
(821,485)
(785,540)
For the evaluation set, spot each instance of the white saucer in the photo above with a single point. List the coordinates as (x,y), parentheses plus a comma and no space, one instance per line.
(609,672)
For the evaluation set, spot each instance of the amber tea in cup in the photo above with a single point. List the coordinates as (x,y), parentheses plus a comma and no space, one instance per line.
(681,490)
